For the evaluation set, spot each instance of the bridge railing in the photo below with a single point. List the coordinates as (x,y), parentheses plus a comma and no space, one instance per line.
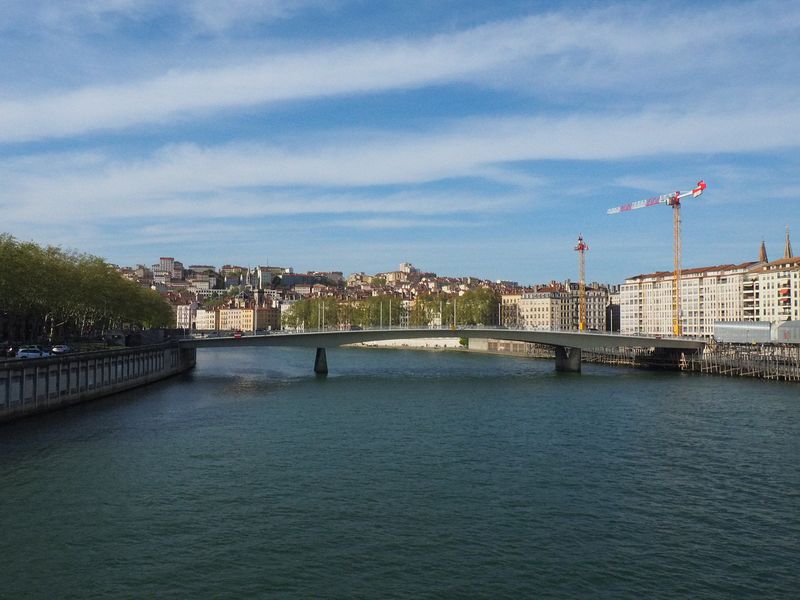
(230,333)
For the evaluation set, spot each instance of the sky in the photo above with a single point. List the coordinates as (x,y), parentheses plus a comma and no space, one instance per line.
(468,138)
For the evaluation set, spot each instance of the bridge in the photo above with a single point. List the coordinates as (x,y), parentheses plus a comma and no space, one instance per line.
(567,344)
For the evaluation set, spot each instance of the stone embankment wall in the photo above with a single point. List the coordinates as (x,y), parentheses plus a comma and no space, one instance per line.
(33,386)
(607,356)
(779,362)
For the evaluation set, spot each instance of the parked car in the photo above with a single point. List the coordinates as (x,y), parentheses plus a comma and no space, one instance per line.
(237,334)
(32,352)
(60,349)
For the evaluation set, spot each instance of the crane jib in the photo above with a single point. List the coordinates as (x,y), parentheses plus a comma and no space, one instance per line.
(663,199)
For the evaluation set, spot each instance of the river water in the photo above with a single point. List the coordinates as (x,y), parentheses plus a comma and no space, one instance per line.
(407,474)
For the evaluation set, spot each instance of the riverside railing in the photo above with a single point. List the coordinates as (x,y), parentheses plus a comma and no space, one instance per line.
(30,386)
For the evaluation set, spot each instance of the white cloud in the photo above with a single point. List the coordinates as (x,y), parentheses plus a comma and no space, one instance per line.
(690,55)
(208,181)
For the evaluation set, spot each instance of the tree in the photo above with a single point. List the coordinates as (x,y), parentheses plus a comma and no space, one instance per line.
(49,293)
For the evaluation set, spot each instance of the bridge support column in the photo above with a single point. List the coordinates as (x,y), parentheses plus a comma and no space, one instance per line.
(321,362)
(568,360)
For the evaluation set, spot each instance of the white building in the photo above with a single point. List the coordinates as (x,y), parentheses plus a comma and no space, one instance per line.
(185,315)
(708,294)
(772,292)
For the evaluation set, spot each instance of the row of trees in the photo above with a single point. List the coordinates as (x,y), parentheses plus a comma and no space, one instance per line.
(475,307)
(48,293)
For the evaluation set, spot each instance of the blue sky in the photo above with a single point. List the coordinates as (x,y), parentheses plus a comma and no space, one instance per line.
(469,138)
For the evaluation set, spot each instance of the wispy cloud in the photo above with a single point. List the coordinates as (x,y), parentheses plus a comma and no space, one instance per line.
(462,150)
(556,52)
(205,16)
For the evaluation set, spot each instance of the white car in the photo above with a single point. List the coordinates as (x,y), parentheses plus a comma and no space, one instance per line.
(32,352)
(60,349)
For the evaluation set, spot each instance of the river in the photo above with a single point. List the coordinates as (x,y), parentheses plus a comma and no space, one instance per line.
(407,474)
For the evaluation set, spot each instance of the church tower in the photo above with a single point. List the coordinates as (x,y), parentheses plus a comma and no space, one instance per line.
(762,253)
(787,249)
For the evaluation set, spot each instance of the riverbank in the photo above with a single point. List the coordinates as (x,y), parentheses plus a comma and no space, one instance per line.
(34,386)
(415,344)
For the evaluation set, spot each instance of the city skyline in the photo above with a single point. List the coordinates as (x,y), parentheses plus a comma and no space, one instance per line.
(463,138)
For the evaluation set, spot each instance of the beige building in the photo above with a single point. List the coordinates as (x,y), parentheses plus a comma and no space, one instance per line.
(509,310)
(206,320)
(249,319)
(233,319)
(546,308)
(554,307)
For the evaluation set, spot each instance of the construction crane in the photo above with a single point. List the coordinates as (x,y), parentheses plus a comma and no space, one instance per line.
(581,248)
(673,200)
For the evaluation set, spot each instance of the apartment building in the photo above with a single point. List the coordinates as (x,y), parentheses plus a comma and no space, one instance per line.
(206,320)
(185,315)
(509,310)
(596,304)
(249,319)
(708,295)
(555,306)
(772,292)
(762,290)
(548,307)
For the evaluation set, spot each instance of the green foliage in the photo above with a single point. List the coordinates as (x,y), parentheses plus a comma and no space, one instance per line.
(369,312)
(475,307)
(48,290)
(478,307)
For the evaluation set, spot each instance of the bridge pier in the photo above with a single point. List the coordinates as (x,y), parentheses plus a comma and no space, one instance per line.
(321,362)
(568,360)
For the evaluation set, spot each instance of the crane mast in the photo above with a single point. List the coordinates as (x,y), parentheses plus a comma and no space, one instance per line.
(677,329)
(673,200)
(581,248)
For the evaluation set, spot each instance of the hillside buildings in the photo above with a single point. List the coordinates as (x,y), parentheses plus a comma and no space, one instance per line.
(250,299)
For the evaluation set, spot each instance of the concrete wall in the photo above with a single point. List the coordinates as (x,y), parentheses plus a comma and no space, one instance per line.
(34,386)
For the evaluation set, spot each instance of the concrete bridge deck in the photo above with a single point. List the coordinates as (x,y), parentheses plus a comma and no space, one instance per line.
(568,344)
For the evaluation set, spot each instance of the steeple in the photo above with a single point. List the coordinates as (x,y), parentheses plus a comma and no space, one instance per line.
(787,249)
(762,253)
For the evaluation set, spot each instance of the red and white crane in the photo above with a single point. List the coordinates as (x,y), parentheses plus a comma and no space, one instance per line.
(581,248)
(673,200)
